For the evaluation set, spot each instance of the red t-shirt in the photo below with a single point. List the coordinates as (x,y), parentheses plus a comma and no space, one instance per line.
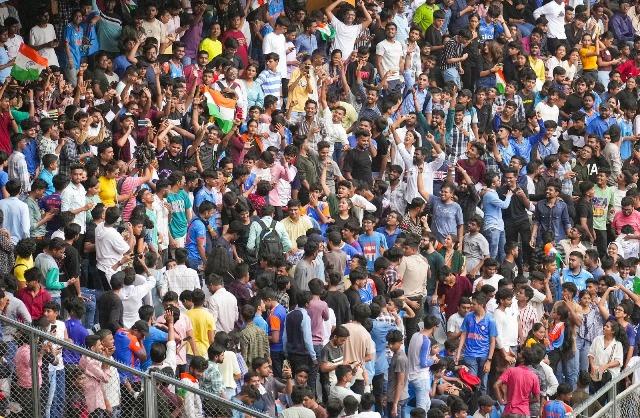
(453,294)
(5,133)
(521,383)
(243,50)
(476,171)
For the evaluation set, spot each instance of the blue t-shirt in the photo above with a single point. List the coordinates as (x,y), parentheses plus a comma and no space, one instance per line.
(350,251)
(478,334)
(4,59)
(448,219)
(207,195)
(31,155)
(197,230)
(276,322)
(73,37)
(120,65)
(261,323)
(4,178)
(125,346)
(372,247)
(379,336)
(77,333)
(155,336)
(47,176)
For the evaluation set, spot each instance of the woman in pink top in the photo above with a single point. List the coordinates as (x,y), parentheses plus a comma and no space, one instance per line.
(23,374)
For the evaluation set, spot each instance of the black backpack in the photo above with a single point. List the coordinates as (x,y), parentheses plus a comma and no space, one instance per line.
(270,243)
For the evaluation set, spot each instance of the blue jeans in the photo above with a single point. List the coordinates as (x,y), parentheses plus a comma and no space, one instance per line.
(452,74)
(90,296)
(583,347)
(403,409)
(496,240)
(567,371)
(55,402)
(421,390)
(475,365)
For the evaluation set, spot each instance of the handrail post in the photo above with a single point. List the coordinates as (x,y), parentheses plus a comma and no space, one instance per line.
(150,397)
(614,390)
(35,373)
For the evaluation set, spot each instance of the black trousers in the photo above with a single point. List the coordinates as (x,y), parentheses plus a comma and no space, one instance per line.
(601,241)
(520,231)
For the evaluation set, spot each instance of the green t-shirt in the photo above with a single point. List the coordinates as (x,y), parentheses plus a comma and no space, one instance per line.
(178,219)
(19,116)
(602,202)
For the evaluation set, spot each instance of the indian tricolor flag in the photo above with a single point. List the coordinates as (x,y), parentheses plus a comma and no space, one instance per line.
(327,32)
(29,64)
(500,81)
(221,109)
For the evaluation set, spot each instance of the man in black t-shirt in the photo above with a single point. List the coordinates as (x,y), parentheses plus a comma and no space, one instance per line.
(358,161)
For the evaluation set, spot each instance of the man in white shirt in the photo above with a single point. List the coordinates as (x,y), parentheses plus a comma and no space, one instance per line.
(181,277)
(454,323)
(136,287)
(74,199)
(111,246)
(390,58)
(222,304)
(276,42)
(507,333)
(414,164)
(554,12)
(347,32)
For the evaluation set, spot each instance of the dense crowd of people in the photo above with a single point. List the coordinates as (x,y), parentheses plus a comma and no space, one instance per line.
(374,209)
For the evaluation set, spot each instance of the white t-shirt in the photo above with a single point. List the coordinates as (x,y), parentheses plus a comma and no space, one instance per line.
(391,53)
(13,44)
(278,44)
(155,29)
(346,36)
(110,247)
(41,36)
(548,112)
(454,323)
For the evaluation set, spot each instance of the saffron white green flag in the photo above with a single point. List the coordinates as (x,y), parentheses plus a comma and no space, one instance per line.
(29,64)
(326,31)
(221,109)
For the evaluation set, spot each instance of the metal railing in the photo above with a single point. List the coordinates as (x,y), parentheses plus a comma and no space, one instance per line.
(625,404)
(138,394)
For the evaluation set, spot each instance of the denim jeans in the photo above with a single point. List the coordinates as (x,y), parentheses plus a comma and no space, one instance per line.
(583,347)
(476,365)
(496,239)
(55,402)
(90,297)
(567,371)
(403,409)
(421,389)
(452,74)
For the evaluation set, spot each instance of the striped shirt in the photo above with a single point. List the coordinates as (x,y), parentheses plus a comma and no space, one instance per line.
(452,49)
(17,169)
(271,83)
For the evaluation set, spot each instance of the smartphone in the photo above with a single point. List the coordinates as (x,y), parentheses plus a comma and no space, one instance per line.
(286,364)
(53,329)
(142,122)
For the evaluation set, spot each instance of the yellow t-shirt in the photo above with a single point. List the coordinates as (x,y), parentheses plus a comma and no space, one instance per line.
(213,48)
(300,91)
(202,321)
(108,191)
(537,65)
(589,63)
(20,266)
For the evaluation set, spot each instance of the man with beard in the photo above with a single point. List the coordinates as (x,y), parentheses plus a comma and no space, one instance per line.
(370,108)
(397,188)
(597,161)
(515,217)
(575,101)
(600,124)
(576,132)
(420,99)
